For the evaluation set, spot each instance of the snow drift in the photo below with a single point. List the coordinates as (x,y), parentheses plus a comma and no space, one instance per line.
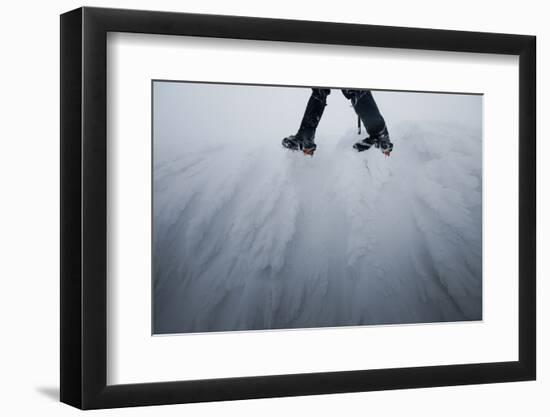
(258,237)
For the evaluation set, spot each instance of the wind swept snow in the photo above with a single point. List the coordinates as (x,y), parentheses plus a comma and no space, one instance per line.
(252,236)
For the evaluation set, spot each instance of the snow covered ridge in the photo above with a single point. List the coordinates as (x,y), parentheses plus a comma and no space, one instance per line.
(258,237)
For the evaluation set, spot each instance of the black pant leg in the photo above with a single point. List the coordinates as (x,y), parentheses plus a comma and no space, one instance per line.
(313,113)
(367,110)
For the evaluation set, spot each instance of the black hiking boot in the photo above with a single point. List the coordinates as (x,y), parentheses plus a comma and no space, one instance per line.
(295,143)
(381,141)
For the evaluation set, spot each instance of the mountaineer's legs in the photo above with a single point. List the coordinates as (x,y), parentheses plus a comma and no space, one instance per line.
(304,139)
(367,110)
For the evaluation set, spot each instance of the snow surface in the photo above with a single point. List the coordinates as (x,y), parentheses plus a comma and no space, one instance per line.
(248,235)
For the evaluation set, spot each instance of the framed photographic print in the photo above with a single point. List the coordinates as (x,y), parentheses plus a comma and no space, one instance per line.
(258,207)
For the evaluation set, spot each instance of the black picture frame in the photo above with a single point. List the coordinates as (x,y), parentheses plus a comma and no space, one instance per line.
(84,207)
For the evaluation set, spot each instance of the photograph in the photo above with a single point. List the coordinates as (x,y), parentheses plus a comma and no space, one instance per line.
(293,207)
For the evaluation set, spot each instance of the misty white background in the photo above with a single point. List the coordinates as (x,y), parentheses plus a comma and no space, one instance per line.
(283,241)
(191,113)
(30,265)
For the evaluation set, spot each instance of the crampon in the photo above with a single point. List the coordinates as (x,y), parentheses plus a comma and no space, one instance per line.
(295,144)
(380,141)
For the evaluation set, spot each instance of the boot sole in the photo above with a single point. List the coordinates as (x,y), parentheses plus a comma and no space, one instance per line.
(361,148)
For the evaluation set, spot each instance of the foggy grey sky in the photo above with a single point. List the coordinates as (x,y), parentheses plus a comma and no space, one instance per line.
(196,111)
